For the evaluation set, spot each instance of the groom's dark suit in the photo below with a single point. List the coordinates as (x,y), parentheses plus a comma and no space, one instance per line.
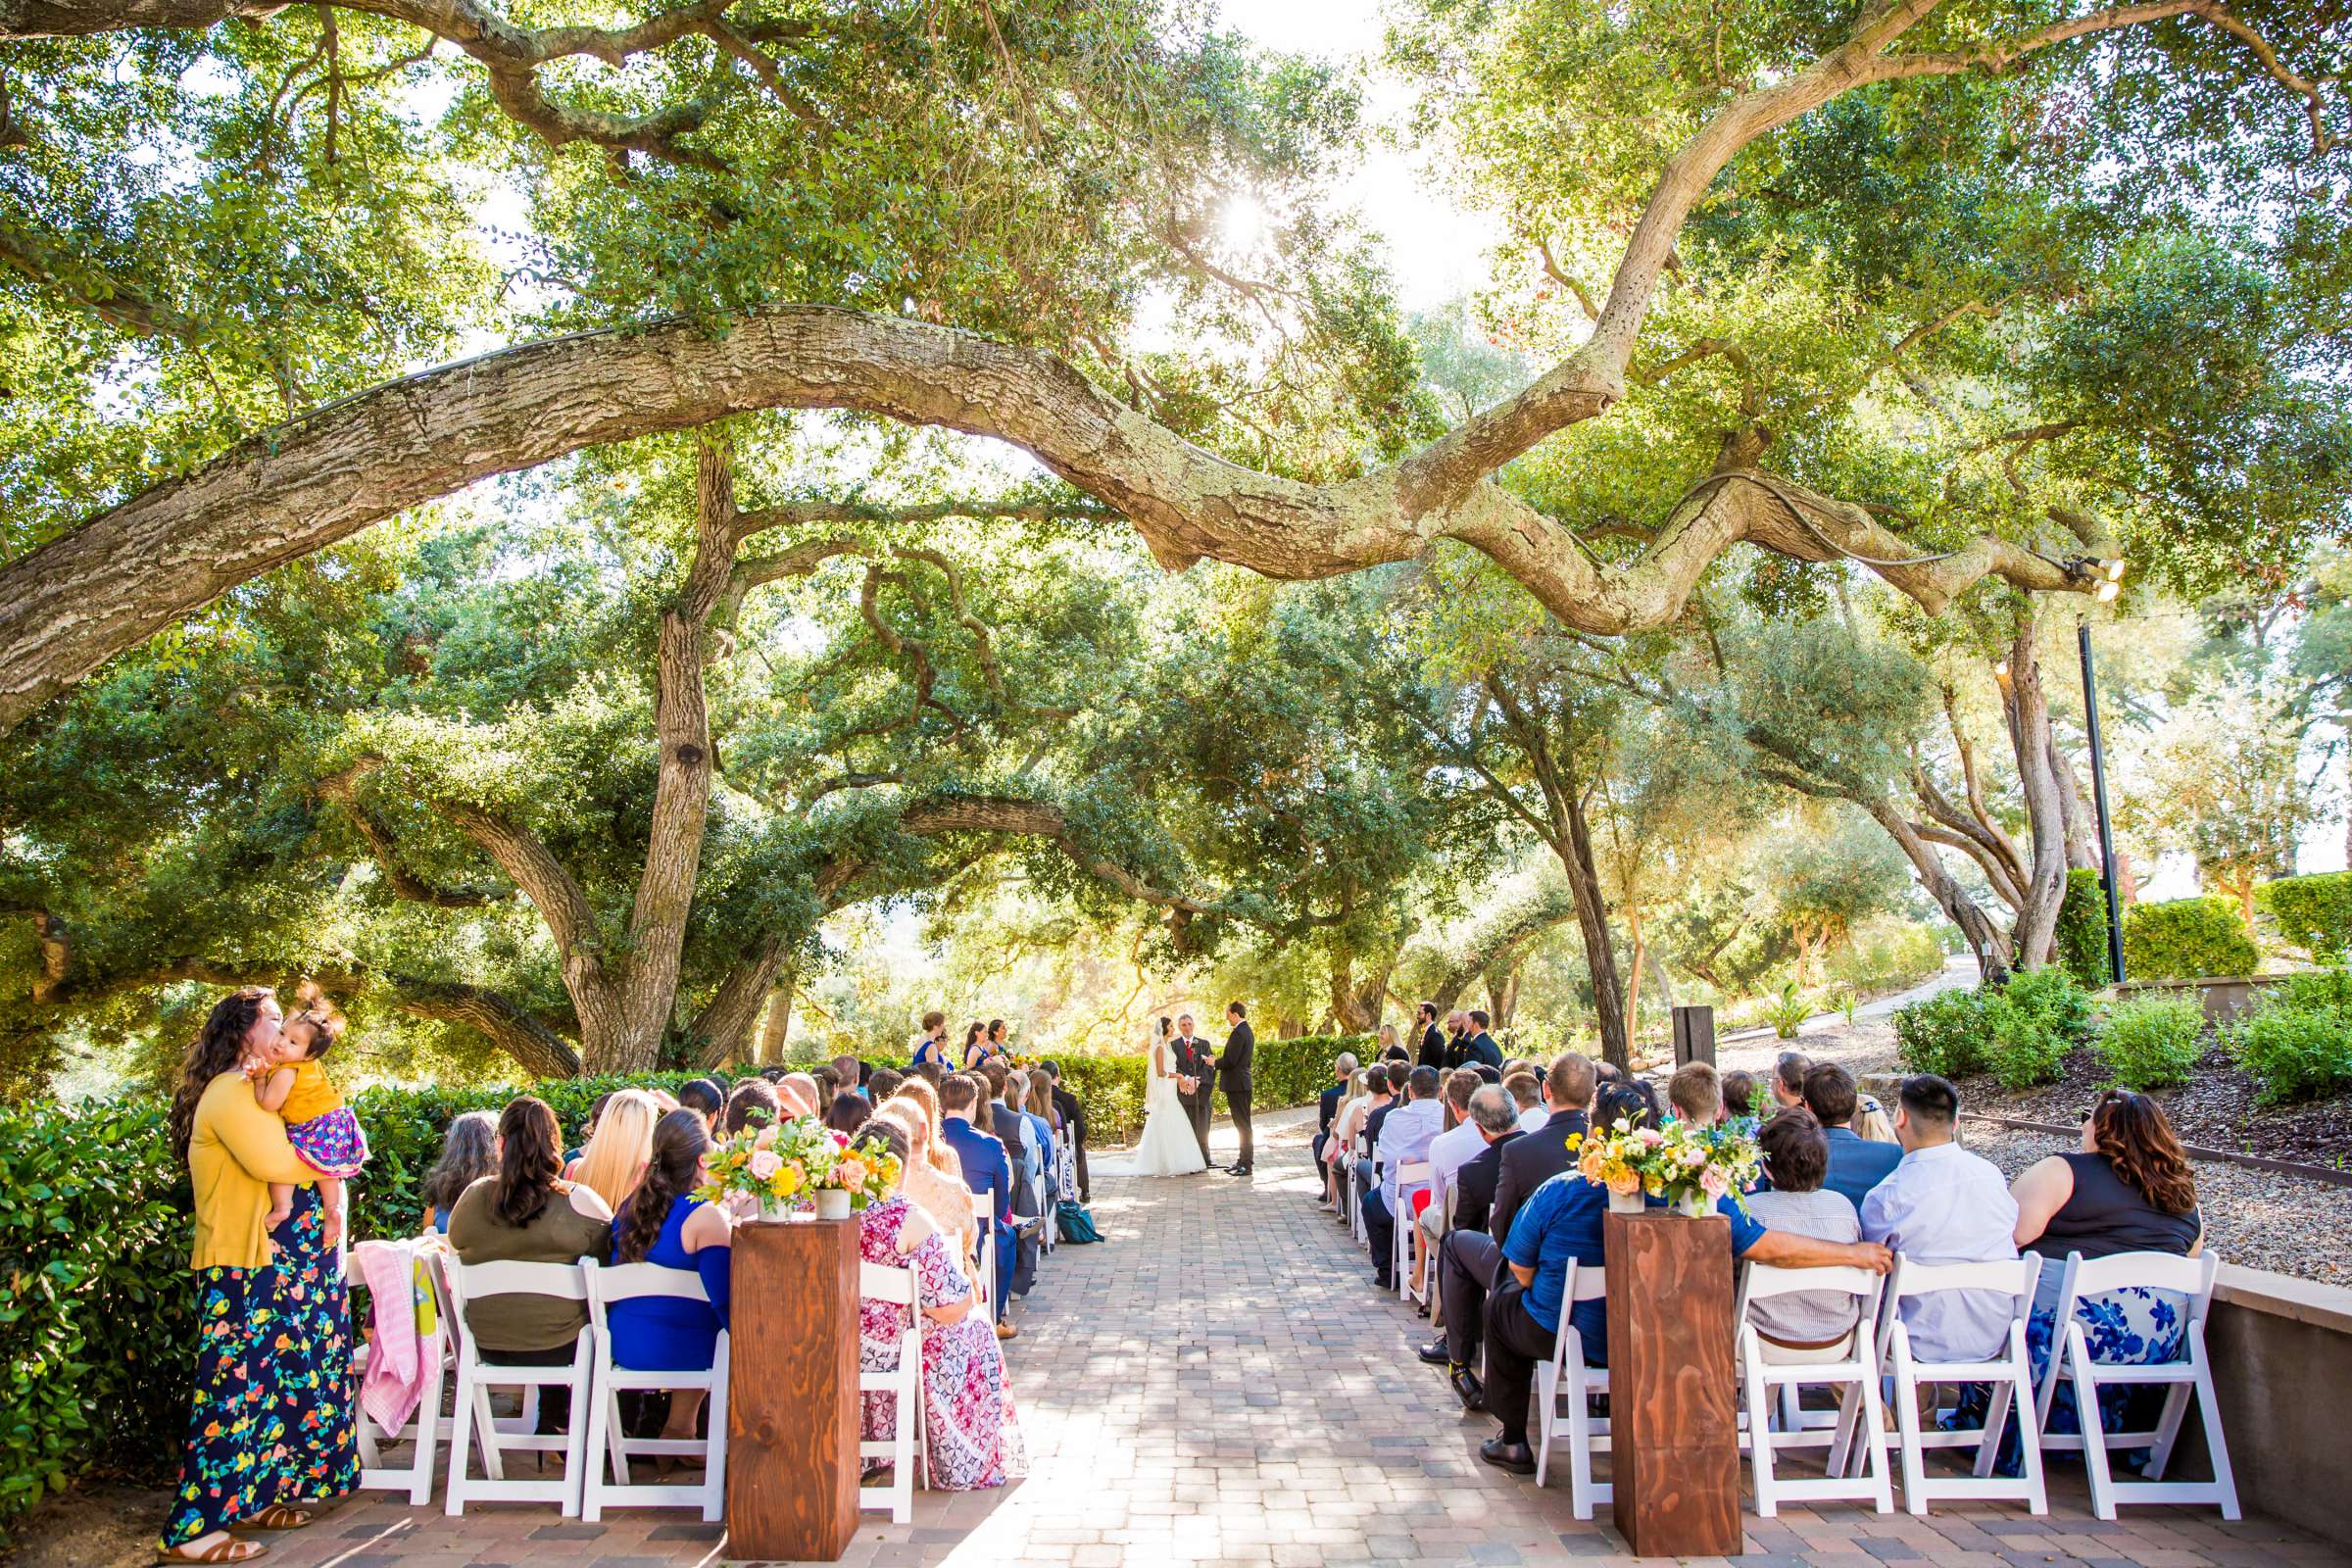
(1233,1076)
(1193,1060)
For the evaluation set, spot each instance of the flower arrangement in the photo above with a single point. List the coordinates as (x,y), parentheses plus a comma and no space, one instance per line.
(1688,1165)
(793,1162)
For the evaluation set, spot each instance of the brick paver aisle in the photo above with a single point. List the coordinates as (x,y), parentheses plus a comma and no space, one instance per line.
(1219,1383)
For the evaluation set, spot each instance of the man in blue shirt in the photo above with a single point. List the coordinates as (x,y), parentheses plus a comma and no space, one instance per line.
(1561,1222)
(1856,1164)
(985,1170)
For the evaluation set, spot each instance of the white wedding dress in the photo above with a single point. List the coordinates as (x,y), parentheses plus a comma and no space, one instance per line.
(1168,1146)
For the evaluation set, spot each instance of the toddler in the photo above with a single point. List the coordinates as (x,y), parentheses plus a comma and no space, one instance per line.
(291,1082)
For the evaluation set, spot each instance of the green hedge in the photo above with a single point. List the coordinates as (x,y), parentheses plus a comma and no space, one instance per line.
(2187,939)
(96,1309)
(2020,1034)
(2082,929)
(2314,912)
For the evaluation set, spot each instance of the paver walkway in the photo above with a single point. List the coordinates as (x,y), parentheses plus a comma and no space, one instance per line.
(1220,1383)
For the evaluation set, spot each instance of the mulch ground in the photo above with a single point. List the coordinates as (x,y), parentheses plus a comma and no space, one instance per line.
(2217,1107)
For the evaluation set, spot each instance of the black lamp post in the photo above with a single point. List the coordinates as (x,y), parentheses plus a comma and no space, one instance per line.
(2098,790)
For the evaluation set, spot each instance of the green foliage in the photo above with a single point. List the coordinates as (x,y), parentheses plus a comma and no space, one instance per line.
(2082,929)
(2053,999)
(1888,955)
(2299,1042)
(2188,939)
(1788,1009)
(2020,1033)
(1943,1034)
(2152,1041)
(2314,912)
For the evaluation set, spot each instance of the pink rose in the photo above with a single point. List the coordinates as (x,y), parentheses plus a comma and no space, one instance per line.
(1711,1182)
(765,1162)
(1651,1137)
(841,1140)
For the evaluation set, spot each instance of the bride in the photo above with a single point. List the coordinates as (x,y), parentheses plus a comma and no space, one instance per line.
(1168,1146)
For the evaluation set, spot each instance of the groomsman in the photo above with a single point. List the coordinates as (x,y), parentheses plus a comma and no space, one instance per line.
(1194,1057)
(1480,1050)
(1433,1040)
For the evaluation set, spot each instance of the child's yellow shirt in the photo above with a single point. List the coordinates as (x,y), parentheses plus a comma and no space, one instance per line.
(313,1095)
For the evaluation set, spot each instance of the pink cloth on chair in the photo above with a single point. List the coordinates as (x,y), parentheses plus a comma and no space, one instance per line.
(400,1359)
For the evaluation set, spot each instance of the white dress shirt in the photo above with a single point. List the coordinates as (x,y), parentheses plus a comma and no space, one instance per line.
(1404,1138)
(1943,1205)
(1448,1153)
(1533,1118)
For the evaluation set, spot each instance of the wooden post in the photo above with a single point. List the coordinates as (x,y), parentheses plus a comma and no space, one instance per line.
(1674,1423)
(791,1392)
(1694,1036)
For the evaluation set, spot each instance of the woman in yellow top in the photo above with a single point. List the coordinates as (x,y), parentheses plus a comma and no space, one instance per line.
(270,1431)
(290,1079)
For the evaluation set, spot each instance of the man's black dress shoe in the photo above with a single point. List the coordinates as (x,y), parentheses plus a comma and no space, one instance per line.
(1467,1387)
(1516,1457)
(1435,1353)
(1236,1170)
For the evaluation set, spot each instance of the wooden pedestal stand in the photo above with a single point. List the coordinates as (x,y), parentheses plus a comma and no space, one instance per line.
(791,1392)
(1674,1433)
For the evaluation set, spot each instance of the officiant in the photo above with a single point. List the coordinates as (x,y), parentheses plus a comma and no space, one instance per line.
(1195,1060)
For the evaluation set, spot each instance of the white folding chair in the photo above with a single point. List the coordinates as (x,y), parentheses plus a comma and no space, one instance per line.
(1563,1387)
(907,1444)
(985,1284)
(423,1429)
(2070,1362)
(608,1438)
(1856,1369)
(477,1375)
(1363,1150)
(2010,1375)
(1405,1224)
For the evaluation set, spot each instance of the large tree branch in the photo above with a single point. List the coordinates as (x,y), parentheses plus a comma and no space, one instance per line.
(383,846)
(128,573)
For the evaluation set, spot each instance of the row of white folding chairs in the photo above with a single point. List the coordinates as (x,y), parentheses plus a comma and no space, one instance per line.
(1880,1350)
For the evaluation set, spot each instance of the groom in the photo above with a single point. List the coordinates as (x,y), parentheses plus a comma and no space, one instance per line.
(1233,1076)
(1193,1060)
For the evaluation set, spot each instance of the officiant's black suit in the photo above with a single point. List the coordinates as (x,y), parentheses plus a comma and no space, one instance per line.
(1193,1059)
(1233,1076)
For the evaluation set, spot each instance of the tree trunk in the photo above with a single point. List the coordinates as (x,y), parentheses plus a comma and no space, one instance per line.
(1289,1029)
(777,1027)
(2027,711)
(2081,830)
(1592,922)
(721,1033)
(1984,939)
(1502,991)
(1633,972)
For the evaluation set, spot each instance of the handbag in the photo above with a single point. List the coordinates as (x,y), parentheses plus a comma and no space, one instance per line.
(1077,1225)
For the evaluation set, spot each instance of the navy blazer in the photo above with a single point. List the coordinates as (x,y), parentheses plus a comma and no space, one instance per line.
(985,1167)
(1327,1106)
(1857,1163)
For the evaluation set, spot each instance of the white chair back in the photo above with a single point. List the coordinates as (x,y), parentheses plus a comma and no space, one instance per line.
(1564,1387)
(478,1372)
(439,1354)
(2007,1374)
(1852,1370)
(608,1483)
(905,1446)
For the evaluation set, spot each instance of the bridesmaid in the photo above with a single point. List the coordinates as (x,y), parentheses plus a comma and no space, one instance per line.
(270,1432)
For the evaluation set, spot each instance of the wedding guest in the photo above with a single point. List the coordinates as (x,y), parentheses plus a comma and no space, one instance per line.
(849,1075)
(971,1434)
(1696,1094)
(1073,1122)
(1856,1164)
(469,1152)
(1739,1094)
(270,1432)
(1045,1118)
(1453,1147)
(849,1112)
(529,1215)
(828,1084)
(883,1083)
(985,1170)
(798,1091)
(617,1152)
(1327,1108)
(1433,1040)
(1809,1325)
(1474,1184)
(1457,1033)
(1404,1139)
(1789,1072)
(997,1041)
(1871,1123)
(596,1113)
(1568,1085)
(1526,1090)
(934,1178)
(1942,1204)
(1480,1050)
(706,1098)
(1389,1078)
(754,1103)
(664,1224)
(1390,1044)
(1338,1159)
(933,1073)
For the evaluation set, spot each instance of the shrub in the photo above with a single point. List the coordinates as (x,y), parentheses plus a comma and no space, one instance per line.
(2314,912)
(1888,956)
(2152,1041)
(1787,1011)
(1945,1034)
(2051,997)
(2083,930)
(2187,939)
(2299,1043)
(2020,1046)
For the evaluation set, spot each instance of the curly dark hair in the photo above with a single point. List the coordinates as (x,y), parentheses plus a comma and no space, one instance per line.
(218,1049)
(530,1160)
(680,1139)
(2136,1139)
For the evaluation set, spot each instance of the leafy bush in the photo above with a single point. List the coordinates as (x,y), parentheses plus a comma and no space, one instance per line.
(1945,1034)
(2020,1033)
(2299,1043)
(2187,939)
(2052,998)
(2083,930)
(1787,1011)
(2152,1041)
(2314,912)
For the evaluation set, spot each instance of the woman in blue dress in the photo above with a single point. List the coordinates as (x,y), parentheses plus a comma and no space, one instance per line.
(665,1225)
(979,1049)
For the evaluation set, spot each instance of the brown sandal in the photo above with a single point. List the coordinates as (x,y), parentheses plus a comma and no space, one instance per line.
(228,1548)
(277,1516)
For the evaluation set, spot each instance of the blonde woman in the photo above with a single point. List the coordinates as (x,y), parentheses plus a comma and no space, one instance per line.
(1390,1042)
(616,1157)
(934,1179)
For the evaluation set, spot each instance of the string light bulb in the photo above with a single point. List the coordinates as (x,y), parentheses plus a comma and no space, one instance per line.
(2112,570)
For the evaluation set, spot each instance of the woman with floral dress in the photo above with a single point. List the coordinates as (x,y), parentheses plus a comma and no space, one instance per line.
(270,1428)
(973,1438)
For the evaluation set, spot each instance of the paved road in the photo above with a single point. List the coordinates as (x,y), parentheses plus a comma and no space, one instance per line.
(1219,1383)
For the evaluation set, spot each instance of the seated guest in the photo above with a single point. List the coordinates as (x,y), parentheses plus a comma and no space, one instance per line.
(1327,1107)
(1404,1138)
(469,1152)
(1696,1094)
(1045,1118)
(1856,1165)
(1527,1094)
(828,1083)
(1810,1325)
(1453,1147)
(798,1091)
(596,1113)
(617,1152)
(971,1435)
(527,1213)
(1872,1123)
(1561,1222)
(848,1112)
(754,1103)
(1473,1185)
(883,1083)
(985,1170)
(849,1075)
(667,1226)
(705,1098)
(1397,1076)
(1338,1160)
(2128,1189)
(1789,1072)
(933,1073)
(934,1179)
(1739,1094)
(1073,1126)
(1942,1204)
(1472,1257)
